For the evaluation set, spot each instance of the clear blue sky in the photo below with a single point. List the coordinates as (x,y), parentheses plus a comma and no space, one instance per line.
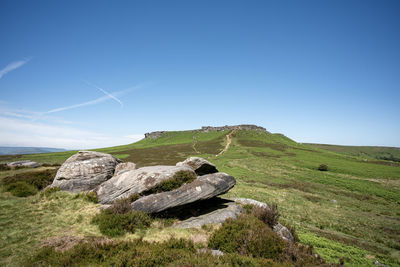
(85,74)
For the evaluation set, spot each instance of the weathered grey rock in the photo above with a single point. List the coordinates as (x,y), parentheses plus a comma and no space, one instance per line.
(249,201)
(204,187)
(123,167)
(283,232)
(23,163)
(135,181)
(84,171)
(218,216)
(214,252)
(199,165)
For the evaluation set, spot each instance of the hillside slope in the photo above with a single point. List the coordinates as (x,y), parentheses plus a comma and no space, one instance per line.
(350,211)
(367,152)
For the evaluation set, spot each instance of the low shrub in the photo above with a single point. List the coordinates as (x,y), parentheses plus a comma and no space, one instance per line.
(248,208)
(51,164)
(39,179)
(121,206)
(323,167)
(4,167)
(179,178)
(174,252)
(91,197)
(268,215)
(49,191)
(247,236)
(112,224)
(21,189)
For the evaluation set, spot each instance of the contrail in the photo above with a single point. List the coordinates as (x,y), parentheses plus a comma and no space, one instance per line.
(95,101)
(12,66)
(106,93)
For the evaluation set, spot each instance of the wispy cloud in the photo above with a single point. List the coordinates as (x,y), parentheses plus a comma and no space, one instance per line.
(108,96)
(106,93)
(7,111)
(12,66)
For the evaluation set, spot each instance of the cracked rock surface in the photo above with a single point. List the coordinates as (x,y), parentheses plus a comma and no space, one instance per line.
(204,187)
(84,171)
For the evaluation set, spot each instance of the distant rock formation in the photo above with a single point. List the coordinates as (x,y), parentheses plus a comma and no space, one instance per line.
(250,127)
(154,135)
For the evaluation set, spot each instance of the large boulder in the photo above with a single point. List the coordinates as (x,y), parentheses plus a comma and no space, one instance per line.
(199,165)
(135,182)
(204,187)
(84,171)
(123,167)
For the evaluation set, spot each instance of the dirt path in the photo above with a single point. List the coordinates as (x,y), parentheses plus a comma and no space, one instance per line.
(228,143)
(194,145)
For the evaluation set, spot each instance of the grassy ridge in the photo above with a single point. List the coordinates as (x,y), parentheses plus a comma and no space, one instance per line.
(367,152)
(352,211)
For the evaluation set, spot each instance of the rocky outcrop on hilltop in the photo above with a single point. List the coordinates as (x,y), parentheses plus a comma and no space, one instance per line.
(249,127)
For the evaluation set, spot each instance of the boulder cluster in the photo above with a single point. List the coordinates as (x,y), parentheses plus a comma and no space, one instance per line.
(111,179)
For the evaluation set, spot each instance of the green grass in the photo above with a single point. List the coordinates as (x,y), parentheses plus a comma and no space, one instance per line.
(366,152)
(351,211)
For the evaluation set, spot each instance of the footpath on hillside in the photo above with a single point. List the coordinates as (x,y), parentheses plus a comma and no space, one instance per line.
(228,143)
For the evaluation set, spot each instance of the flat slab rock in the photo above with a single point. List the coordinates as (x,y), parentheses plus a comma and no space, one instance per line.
(229,210)
(135,182)
(249,201)
(24,163)
(84,171)
(199,165)
(204,187)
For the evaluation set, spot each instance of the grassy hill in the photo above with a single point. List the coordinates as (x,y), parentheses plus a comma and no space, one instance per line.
(367,152)
(351,211)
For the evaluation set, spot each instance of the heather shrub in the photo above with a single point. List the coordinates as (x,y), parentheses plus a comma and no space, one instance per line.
(91,197)
(323,167)
(4,167)
(21,189)
(121,206)
(49,191)
(38,179)
(174,252)
(268,215)
(247,236)
(112,224)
